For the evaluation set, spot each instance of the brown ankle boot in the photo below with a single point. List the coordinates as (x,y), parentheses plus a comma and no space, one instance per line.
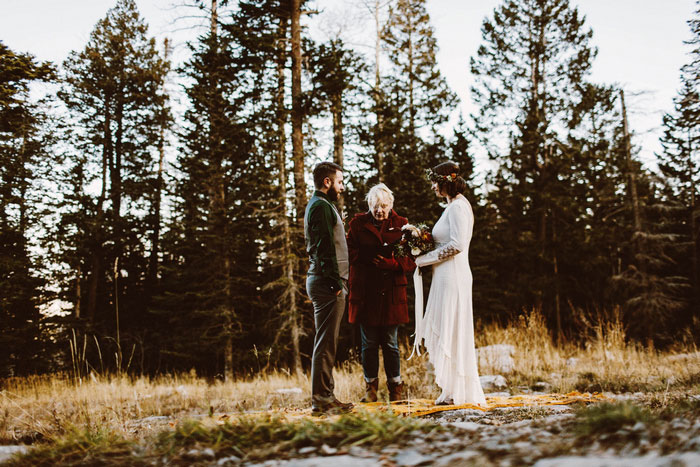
(371,391)
(396,392)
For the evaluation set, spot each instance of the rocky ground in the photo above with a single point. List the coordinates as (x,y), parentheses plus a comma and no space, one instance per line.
(542,436)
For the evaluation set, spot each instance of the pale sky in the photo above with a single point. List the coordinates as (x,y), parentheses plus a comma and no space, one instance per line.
(640,42)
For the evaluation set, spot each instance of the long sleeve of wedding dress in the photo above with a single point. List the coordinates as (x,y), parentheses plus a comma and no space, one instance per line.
(461,224)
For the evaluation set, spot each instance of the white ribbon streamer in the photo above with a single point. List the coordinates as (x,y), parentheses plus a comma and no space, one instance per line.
(418,287)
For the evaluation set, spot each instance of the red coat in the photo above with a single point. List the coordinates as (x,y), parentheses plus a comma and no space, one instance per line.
(377,293)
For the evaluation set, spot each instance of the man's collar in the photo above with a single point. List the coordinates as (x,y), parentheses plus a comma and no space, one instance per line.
(322,194)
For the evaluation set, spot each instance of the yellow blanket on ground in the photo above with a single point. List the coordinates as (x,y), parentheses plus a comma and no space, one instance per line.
(420,407)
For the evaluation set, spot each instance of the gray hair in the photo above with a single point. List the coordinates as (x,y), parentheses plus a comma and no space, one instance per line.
(380,193)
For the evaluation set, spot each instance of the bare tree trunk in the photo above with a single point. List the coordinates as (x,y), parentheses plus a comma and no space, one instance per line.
(338,141)
(155,237)
(378,96)
(116,191)
(298,159)
(297,115)
(96,259)
(116,314)
(557,292)
(695,238)
(214,18)
(631,173)
(289,261)
(693,220)
(411,97)
(78,292)
(217,203)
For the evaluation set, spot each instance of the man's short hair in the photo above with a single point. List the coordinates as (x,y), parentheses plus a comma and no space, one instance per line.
(323,170)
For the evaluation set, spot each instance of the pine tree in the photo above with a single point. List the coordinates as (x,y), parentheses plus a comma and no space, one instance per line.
(218,242)
(679,160)
(679,164)
(418,102)
(334,69)
(24,148)
(652,291)
(113,91)
(601,223)
(531,69)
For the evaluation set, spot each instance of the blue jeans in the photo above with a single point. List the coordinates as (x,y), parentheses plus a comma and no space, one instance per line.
(387,337)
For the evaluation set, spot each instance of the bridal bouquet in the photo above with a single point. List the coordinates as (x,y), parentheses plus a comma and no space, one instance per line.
(416,240)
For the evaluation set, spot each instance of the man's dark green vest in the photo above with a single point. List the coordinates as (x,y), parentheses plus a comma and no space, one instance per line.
(325,239)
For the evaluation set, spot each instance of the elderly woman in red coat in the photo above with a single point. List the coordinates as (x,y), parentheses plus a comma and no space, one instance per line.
(378,289)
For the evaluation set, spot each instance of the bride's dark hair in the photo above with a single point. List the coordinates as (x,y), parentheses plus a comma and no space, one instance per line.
(448,178)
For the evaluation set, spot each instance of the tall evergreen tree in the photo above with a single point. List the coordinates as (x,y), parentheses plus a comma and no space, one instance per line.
(679,164)
(530,69)
(418,102)
(261,30)
(23,151)
(217,243)
(114,95)
(334,71)
(602,222)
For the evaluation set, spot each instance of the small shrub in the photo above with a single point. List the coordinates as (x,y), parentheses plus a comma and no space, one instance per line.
(608,418)
(79,447)
(250,434)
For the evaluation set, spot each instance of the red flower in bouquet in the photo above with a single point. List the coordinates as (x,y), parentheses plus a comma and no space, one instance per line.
(416,240)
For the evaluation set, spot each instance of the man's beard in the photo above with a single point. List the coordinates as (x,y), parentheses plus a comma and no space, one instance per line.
(332,194)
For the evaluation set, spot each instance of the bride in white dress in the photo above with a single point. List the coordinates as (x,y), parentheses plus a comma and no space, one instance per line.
(448,325)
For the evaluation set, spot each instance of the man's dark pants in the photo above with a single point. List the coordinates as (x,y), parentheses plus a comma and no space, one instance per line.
(328,313)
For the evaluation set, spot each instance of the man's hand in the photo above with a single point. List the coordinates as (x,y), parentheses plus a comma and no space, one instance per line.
(335,285)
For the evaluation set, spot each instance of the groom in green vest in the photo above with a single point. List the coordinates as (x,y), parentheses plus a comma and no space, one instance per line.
(326,283)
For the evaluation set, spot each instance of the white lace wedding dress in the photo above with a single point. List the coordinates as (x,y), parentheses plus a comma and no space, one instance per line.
(448,325)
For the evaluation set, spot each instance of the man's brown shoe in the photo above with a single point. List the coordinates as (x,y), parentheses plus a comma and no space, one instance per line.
(371,391)
(335,407)
(396,392)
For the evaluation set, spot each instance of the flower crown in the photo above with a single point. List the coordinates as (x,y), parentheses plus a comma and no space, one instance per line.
(436,177)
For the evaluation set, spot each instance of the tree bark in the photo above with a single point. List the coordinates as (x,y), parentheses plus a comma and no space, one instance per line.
(631,172)
(214,18)
(411,85)
(96,262)
(155,237)
(378,100)
(288,259)
(78,292)
(338,141)
(557,292)
(297,115)
(217,206)
(692,221)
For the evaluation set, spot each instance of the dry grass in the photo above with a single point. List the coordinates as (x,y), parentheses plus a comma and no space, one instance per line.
(607,361)
(41,408)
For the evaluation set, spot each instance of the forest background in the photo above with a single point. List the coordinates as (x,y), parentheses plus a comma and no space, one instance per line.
(151,210)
